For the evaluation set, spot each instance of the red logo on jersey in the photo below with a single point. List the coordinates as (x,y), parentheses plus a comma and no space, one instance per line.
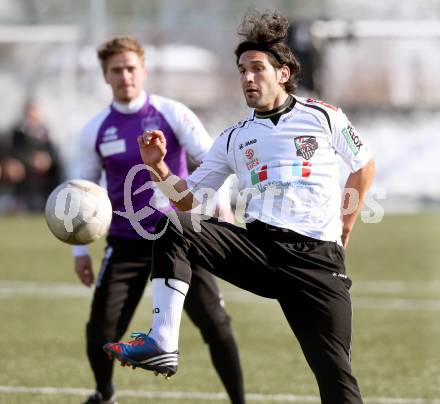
(259,175)
(322,103)
(302,168)
(249,153)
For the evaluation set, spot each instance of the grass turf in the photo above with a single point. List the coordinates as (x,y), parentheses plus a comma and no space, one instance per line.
(396,293)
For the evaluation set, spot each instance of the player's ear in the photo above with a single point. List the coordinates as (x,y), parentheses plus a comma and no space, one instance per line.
(104,73)
(284,74)
(104,69)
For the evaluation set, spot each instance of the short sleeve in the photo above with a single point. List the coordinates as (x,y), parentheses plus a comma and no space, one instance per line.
(349,144)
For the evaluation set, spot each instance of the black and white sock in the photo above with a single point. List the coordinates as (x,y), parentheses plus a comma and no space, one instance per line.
(168,298)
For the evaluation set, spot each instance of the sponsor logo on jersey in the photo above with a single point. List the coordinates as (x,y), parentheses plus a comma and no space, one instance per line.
(259,175)
(301,168)
(113,147)
(250,154)
(306,146)
(284,185)
(252,163)
(248,143)
(352,138)
(150,123)
(110,133)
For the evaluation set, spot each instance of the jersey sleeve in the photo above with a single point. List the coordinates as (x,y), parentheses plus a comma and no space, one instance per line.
(90,165)
(348,143)
(214,170)
(189,131)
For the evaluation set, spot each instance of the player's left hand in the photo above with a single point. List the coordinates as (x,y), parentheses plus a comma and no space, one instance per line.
(152,146)
(84,270)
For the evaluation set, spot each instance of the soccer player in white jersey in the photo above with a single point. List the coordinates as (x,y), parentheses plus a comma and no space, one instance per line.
(109,144)
(286,158)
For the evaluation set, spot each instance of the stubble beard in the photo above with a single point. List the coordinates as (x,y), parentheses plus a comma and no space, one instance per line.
(126,95)
(251,101)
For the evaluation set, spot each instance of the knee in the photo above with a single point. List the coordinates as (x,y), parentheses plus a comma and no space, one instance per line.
(170,231)
(214,325)
(94,334)
(179,224)
(332,369)
(174,234)
(215,335)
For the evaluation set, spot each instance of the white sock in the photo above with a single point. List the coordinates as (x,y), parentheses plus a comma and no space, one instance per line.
(168,298)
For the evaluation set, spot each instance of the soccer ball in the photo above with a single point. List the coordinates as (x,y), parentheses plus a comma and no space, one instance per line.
(78,212)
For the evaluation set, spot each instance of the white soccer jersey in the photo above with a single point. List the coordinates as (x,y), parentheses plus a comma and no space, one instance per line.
(288,172)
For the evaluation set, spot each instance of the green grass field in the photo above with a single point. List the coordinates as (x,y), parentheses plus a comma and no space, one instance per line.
(395,270)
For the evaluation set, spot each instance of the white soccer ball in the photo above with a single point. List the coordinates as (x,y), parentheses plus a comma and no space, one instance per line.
(78,212)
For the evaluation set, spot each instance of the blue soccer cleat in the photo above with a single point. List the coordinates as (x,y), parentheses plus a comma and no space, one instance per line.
(143,352)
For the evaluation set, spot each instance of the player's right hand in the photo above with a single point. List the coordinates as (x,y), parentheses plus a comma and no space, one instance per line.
(84,270)
(152,146)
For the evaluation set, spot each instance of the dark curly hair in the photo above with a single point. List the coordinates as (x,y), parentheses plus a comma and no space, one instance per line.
(267,33)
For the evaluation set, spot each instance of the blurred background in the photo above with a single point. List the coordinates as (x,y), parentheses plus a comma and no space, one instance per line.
(379,61)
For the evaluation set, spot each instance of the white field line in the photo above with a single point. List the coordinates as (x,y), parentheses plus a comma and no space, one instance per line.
(10,289)
(180,395)
(363,293)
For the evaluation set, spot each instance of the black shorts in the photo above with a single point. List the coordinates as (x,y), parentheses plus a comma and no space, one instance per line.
(262,259)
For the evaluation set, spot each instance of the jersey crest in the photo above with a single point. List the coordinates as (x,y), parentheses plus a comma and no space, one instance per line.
(150,122)
(306,146)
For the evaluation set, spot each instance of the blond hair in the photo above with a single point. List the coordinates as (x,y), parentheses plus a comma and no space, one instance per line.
(118,45)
